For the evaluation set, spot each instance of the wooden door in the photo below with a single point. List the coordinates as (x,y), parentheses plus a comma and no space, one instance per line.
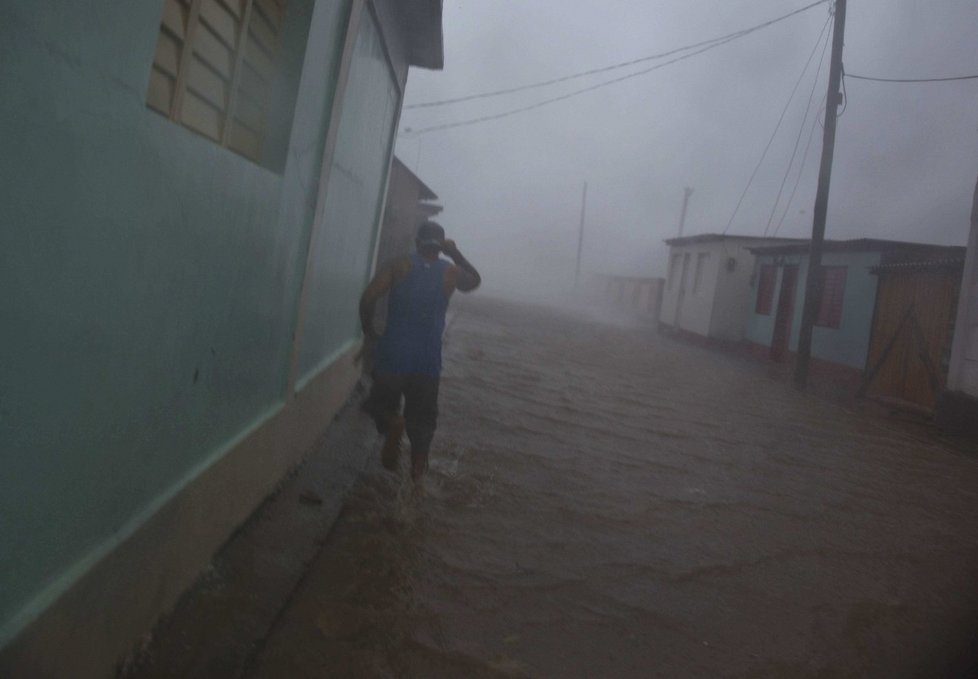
(912,327)
(785,313)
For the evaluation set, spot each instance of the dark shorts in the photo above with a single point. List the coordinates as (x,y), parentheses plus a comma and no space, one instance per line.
(420,394)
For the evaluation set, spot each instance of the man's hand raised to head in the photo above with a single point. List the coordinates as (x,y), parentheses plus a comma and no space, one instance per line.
(467,278)
(449,247)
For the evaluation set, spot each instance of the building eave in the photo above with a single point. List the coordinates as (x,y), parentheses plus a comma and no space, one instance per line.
(951,263)
(422,22)
(716,237)
(429,209)
(858,245)
(424,191)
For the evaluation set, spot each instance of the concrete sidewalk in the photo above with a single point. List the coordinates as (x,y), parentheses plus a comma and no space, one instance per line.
(218,626)
(221,624)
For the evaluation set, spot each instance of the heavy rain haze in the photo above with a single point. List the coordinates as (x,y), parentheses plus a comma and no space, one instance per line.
(260,420)
(905,158)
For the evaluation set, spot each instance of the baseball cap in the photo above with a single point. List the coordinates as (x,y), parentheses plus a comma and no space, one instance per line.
(430,234)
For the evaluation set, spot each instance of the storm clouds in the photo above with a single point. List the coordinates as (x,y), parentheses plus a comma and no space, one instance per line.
(905,161)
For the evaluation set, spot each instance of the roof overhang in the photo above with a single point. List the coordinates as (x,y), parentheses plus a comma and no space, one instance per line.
(424,191)
(859,245)
(429,209)
(421,21)
(948,264)
(714,237)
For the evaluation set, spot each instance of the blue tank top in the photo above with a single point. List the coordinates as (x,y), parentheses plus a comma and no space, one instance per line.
(411,343)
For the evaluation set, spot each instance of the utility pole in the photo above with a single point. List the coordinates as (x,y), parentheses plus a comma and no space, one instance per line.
(815,278)
(687,192)
(580,238)
(967,318)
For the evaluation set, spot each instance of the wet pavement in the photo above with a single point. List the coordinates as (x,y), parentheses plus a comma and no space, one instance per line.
(604,502)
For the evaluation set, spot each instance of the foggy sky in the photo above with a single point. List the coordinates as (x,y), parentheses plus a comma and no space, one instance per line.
(905,161)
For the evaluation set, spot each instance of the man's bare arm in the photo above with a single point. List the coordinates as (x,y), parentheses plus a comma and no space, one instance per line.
(466,278)
(382,282)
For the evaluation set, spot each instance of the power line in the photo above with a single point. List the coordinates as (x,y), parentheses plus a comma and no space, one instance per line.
(778,126)
(545,102)
(604,69)
(811,134)
(912,80)
(606,83)
(544,83)
(801,169)
(801,131)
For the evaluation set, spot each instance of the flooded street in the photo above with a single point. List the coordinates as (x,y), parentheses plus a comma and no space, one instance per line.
(604,502)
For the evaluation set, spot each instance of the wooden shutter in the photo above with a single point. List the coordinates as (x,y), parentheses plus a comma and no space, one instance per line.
(215,67)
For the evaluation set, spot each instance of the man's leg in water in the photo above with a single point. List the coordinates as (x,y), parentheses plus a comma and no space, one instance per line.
(384,404)
(421,415)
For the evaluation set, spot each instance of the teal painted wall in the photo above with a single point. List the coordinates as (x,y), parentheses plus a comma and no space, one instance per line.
(342,251)
(849,343)
(150,278)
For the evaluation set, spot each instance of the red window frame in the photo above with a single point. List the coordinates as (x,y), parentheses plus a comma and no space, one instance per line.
(832,298)
(765,289)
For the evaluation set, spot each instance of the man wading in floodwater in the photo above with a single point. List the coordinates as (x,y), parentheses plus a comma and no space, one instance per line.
(407,359)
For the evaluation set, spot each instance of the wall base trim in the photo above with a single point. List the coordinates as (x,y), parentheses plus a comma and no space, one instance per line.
(86,631)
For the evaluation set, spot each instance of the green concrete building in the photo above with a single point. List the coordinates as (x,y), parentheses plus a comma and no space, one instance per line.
(190,196)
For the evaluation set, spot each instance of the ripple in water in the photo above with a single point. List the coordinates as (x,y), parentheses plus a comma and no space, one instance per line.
(709,524)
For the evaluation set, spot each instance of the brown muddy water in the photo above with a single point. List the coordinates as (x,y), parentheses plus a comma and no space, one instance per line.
(604,502)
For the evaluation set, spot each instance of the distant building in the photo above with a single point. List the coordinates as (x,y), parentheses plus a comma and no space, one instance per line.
(708,285)
(637,295)
(191,197)
(958,408)
(844,325)
(408,205)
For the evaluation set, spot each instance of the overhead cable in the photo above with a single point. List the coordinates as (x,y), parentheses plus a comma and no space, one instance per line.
(801,167)
(801,131)
(719,40)
(569,95)
(545,102)
(912,80)
(777,127)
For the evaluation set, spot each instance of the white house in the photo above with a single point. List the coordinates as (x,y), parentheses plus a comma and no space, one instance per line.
(958,407)
(708,288)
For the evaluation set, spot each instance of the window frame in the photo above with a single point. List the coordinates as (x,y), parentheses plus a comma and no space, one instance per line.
(216,67)
(829,312)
